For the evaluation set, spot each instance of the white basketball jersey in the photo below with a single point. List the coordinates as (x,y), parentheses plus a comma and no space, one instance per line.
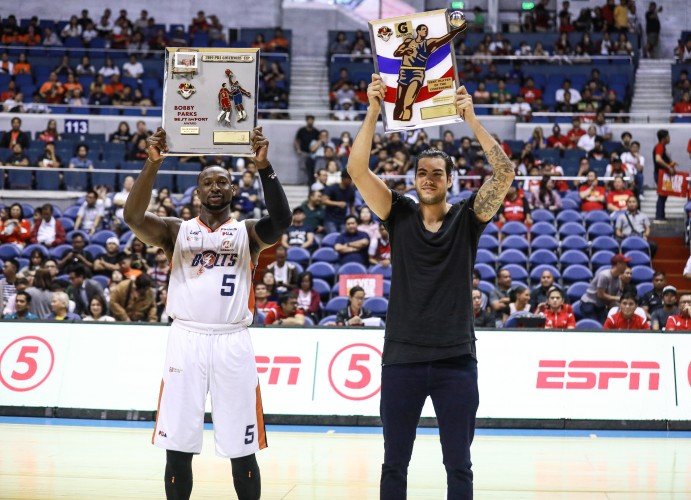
(211,276)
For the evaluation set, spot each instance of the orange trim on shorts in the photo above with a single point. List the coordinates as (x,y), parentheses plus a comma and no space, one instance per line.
(158,411)
(208,228)
(261,429)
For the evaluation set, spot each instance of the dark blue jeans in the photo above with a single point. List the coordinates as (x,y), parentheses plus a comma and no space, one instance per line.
(660,207)
(452,385)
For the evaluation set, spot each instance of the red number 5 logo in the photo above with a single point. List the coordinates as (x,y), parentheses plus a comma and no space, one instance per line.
(26,363)
(355,372)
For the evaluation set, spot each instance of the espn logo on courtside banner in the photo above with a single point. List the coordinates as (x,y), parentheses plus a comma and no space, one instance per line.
(597,375)
(277,365)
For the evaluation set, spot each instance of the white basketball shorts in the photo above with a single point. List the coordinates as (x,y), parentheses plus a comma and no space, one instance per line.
(219,359)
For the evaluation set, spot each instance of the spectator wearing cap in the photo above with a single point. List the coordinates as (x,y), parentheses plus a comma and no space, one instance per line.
(22,302)
(126,269)
(681,321)
(298,235)
(346,111)
(352,245)
(47,230)
(633,222)
(59,305)
(108,262)
(653,300)
(618,196)
(626,318)
(287,313)
(659,317)
(592,194)
(557,314)
(134,300)
(602,293)
(90,213)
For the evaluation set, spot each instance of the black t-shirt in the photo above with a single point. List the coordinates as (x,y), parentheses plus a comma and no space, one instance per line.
(305,137)
(430,315)
(336,193)
(297,235)
(652,23)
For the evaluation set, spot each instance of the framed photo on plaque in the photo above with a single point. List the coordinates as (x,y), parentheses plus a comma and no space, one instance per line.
(415,57)
(210,100)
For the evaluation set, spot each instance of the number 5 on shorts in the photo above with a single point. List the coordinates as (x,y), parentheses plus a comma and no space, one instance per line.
(249,434)
(228,287)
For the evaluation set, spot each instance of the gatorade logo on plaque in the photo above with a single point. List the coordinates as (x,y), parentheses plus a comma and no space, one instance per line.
(404,28)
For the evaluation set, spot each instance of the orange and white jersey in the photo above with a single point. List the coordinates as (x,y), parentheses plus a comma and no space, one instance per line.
(211,276)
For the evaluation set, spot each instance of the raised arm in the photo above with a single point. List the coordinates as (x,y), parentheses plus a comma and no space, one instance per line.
(148,227)
(434,43)
(374,191)
(492,193)
(267,230)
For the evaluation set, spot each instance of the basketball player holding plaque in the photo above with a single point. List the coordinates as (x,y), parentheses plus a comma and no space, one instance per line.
(209,101)
(416,60)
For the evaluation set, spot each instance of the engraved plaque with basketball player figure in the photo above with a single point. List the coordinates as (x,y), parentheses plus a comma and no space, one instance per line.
(210,100)
(415,57)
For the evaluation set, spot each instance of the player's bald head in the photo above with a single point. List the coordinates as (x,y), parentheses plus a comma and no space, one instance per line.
(211,171)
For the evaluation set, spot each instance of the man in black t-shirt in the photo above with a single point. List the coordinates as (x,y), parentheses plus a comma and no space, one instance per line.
(303,138)
(338,200)
(429,346)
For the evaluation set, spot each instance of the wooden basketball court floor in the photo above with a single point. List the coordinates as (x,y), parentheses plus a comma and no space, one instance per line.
(77,459)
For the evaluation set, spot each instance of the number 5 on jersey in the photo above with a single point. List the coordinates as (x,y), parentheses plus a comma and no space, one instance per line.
(227,285)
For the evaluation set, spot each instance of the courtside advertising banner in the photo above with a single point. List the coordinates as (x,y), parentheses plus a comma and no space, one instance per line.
(320,371)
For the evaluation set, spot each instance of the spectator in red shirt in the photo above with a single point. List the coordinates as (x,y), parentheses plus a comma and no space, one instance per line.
(530,92)
(48,231)
(575,133)
(681,321)
(557,140)
(556,313)
(308,298)
(662,161)
(592,193)
(626,318)
(683,106)
(515,208)
(16,229)
(618,196)
(261,299)
(287,313)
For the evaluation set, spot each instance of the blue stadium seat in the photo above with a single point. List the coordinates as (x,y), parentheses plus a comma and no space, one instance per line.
(352,268)
(643,288)
(512,256)
(26,253)
(600,229)
(486,287)
(299,268)
(638,258)
(322,288)
(94,251)
(594,216)
(485,257)
(605,243)
(542,215)
(576,273)
(491,229)
(101,280)
(10,251)
(601,258)
(569,216)
(642,274)
(336,304)
(125,237)
(570,205)
(48,180)
(488,242)
(329,240)
(573,257)
(386,286)
(76,180)
(545,243)
(571,229)
(538,257)
(635,243)
(517,272)
(588,324)
(377,305)
(100,237)
(537,271)
(331,318)
(19,178)
(543,228)
(59,251)
(487,273)
(298,255)
(385,271)
(326,254)
(515,242)
(514,228)
(67,223)
(107,179)
(84,234)
(576,291)
(577,310)
(322,270)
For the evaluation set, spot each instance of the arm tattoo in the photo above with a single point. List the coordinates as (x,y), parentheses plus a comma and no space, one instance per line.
(492,193)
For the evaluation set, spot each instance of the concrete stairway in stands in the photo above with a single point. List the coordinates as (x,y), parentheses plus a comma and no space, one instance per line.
(653,90)
(674,209)
(671,257)
(309,87)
